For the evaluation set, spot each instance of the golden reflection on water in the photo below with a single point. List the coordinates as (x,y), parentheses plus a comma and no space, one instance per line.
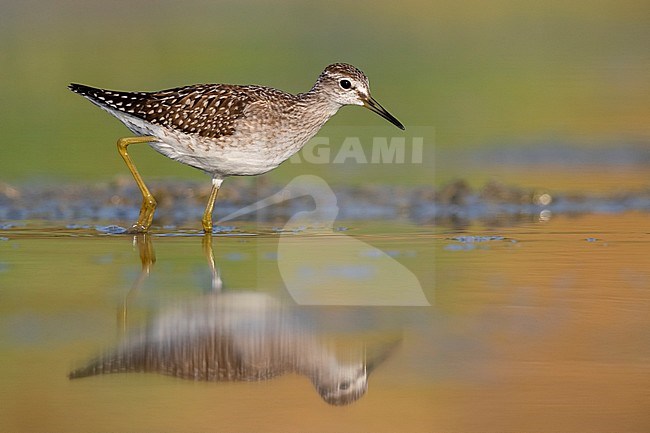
(540,327)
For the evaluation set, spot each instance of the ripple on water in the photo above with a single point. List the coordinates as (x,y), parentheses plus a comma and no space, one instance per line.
(473,239)
(111,229)
(470,242)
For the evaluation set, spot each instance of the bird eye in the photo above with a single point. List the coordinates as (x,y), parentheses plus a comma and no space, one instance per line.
(345,84)
(344,385)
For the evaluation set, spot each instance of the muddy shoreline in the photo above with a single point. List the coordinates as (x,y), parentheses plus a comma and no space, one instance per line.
(180,202)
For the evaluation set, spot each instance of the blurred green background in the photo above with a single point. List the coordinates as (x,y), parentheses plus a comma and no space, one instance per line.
(479,73)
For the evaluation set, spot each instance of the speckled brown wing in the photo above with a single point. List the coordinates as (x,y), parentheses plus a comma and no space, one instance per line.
(210,357)
(206,110)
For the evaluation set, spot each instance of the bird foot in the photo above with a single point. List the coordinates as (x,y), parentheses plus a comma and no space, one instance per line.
(137,228)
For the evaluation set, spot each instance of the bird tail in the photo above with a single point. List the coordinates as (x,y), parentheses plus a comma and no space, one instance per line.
(87,91)
(113,100)
(110,363)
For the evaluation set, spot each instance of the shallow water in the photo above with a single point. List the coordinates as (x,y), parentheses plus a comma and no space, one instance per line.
(541,326)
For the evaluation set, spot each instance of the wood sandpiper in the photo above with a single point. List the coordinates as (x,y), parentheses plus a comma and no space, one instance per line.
(229,130)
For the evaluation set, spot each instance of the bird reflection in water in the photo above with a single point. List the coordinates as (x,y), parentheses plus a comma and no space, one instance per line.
(236,336)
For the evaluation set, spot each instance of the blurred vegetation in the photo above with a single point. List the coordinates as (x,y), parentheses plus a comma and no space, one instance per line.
(478,72)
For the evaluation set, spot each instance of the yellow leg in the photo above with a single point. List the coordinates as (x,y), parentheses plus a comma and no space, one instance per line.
(148,202)
(147,258)
(209,255)
(207,215)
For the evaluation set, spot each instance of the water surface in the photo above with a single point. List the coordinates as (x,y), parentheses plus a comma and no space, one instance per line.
(540,326)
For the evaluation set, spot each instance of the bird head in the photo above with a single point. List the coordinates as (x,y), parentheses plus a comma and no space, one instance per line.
(346,85)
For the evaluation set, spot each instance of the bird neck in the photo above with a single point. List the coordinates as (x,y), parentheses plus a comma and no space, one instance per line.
(318,97)
(313,109)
